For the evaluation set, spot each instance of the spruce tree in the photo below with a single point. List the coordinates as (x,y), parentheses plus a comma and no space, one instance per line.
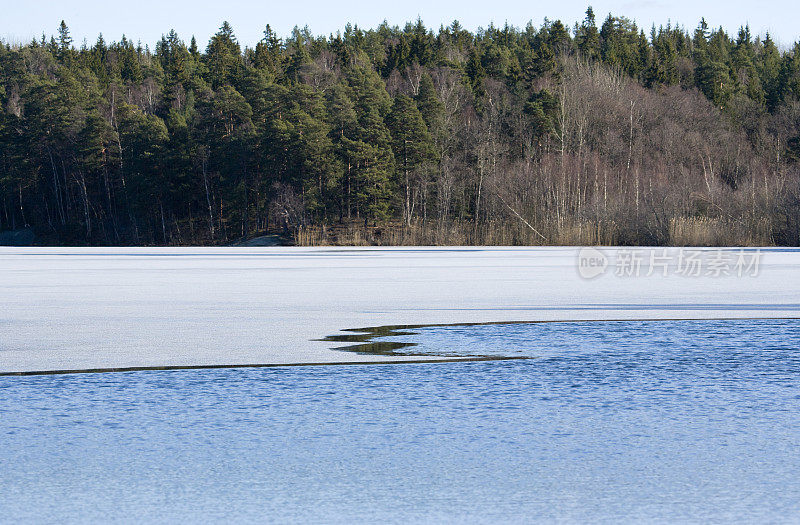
(223,57)
(790,74)
(64,43)
(769,71)
(475,73)
(587,37)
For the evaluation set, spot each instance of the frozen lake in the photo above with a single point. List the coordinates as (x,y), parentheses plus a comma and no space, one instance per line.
(67,309)
(621,410)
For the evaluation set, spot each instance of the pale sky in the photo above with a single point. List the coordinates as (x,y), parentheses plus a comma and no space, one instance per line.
(147,20)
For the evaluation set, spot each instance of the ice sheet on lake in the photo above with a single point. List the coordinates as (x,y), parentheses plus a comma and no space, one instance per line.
(69,308)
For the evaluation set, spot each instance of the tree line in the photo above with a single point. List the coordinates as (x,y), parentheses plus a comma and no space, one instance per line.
(590,134)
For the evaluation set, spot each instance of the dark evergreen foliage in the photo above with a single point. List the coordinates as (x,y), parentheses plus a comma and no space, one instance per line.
(118,144)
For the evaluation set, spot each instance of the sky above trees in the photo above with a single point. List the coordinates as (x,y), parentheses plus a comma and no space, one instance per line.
(146,20)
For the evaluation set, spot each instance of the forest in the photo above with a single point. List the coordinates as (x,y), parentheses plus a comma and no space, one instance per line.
(598,133)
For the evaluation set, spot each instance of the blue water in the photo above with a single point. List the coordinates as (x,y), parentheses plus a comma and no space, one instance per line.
(693,421)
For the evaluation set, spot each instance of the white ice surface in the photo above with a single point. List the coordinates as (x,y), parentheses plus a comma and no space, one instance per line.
(66,308)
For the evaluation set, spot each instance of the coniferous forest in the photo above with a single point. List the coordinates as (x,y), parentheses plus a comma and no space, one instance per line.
(594,133)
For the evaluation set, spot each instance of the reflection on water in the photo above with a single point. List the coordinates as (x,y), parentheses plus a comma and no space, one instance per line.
(623,421)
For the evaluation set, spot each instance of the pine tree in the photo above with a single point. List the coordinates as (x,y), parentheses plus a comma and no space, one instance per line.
(99,158)
(368,90)
(413,149)
(371,151)
(344,127)
(319,176)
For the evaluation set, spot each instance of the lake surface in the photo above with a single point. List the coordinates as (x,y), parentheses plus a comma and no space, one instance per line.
(660,421)
(89,308)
